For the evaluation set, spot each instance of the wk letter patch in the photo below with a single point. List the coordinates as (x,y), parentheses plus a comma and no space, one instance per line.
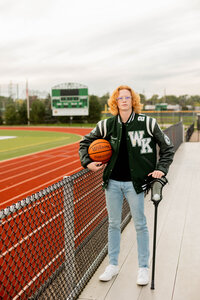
(137,139)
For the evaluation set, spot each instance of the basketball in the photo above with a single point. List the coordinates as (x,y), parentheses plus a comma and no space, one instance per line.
(100,150)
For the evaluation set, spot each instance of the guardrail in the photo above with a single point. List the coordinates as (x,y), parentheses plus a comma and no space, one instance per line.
(176,134)
(53,241)
(189,132)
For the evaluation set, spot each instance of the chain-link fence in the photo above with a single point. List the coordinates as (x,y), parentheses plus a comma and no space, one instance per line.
(173,117)
(169,117)
(53,241)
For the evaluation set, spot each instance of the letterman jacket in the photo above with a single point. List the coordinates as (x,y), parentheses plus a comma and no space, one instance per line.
(142,135)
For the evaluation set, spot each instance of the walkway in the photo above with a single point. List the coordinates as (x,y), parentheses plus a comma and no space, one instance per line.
(178,241)
(195,136)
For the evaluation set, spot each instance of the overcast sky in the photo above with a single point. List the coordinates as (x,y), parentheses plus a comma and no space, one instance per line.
(150,45)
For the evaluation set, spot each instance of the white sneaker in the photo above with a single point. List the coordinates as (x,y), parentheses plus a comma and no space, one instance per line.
(143,276)
(110,271)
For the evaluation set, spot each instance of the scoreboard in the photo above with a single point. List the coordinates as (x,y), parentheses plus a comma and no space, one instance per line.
(70,99)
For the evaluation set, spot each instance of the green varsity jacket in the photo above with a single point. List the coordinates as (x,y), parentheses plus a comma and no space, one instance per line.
(142,135)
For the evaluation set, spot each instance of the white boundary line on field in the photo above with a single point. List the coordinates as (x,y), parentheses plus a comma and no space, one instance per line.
(35,153)
(6,137)
(32,128)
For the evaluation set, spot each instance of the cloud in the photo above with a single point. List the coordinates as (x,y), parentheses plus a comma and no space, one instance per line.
(102,44)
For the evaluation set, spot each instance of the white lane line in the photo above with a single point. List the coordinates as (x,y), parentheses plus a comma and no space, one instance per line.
(55,258)
(90,223)
(34,177)
(36,161)
(32,233)
(35,153)
(41,185)
(45,224)
(38,275)
(35,169)
(88,193)
(8,219)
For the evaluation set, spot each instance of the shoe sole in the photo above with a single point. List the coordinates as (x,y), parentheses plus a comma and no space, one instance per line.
(105,280)
(142,283)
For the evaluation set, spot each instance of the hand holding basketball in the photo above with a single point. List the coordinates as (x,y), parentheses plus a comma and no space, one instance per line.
(95,166)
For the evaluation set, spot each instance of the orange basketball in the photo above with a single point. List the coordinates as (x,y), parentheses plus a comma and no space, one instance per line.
(100,150)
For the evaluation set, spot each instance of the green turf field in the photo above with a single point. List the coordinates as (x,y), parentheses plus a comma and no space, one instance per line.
(27,142)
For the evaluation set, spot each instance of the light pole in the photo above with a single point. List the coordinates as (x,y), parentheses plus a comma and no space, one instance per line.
(28,106)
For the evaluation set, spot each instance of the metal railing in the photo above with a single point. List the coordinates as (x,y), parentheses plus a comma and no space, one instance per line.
(189,132)
(176,134)
(53,241)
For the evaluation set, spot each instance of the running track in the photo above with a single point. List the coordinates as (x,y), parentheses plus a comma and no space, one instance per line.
(21,177)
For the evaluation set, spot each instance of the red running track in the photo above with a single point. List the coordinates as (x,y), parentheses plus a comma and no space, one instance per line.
(21,177)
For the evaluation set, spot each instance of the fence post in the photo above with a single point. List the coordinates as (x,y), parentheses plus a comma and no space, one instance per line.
(70,273)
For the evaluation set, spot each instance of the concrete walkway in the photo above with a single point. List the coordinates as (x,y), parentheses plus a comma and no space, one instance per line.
(178,241)
(195,136)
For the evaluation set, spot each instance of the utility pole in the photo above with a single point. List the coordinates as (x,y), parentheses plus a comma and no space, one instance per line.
(28,106)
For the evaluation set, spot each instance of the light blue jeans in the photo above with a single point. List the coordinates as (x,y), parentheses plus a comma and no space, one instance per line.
(114,200)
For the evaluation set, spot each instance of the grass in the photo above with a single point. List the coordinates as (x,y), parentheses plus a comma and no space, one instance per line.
(27,142)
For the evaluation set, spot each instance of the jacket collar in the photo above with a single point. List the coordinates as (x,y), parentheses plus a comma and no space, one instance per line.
(130,119)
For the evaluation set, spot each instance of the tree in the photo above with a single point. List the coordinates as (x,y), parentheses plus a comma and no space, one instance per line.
(142,98)
(104,100)
(37,112)
(195,98)
(94,109)
(183,100)
(10,114)
(3,102)
(48,119)
(22,113)
(155,99)
(1,119)
(170,99)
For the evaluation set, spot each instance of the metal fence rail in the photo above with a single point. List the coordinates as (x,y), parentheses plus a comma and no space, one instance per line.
(176,134)
(189,132)
(53,241)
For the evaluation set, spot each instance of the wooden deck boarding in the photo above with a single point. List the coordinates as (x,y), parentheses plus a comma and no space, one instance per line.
(178,241)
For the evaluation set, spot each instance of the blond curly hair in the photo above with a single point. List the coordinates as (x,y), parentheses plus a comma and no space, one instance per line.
(112,101)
